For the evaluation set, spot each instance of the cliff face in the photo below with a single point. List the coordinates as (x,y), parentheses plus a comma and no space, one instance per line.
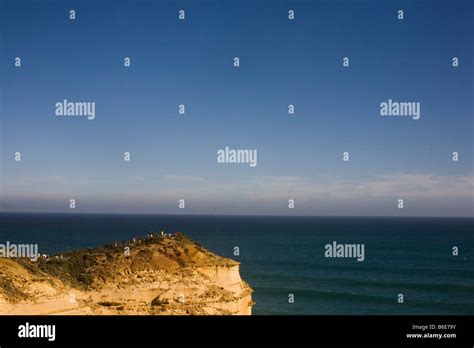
(154,275)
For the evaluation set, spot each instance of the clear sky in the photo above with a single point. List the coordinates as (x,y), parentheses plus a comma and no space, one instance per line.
(282,62)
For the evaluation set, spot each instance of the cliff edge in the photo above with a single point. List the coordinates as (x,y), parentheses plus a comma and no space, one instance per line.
(159,274)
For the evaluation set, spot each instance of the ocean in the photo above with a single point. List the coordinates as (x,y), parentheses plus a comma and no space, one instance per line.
(286,255)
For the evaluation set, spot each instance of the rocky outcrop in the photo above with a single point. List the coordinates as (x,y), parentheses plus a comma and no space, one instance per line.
(153,275)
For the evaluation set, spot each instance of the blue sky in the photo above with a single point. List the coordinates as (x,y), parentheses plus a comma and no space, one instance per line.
(282,62)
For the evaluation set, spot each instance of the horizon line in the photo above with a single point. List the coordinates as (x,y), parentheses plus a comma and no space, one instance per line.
(243,215)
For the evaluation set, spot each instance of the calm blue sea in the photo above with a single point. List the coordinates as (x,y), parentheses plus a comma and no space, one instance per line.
(283,255)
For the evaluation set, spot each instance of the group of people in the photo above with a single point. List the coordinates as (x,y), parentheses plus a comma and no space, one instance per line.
(149,236)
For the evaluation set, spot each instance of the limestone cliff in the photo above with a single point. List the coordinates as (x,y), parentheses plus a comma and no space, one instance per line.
(153,275)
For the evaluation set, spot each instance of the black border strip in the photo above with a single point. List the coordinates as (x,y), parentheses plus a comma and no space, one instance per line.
(208,330)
